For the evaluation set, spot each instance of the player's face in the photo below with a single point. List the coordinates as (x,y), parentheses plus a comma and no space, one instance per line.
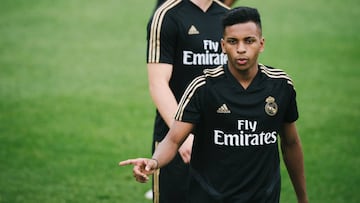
(242,43)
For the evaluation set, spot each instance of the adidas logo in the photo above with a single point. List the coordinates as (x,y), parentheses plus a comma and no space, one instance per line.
(193,31)
(223,109)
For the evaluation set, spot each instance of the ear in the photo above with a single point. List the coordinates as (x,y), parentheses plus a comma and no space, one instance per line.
(223,45)
(262,44)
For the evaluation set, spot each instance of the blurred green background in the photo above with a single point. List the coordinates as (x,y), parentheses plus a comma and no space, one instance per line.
(74,99)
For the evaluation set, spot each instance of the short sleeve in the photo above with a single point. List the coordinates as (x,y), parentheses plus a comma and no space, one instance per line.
(161,39)
(189,108)
(292,113)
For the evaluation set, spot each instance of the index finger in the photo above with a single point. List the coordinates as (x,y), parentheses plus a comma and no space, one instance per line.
(126,162)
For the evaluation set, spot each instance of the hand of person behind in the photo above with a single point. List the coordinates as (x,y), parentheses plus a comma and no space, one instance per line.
(186,148)
(142,168)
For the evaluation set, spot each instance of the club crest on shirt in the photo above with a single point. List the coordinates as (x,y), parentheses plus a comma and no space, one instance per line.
(271,108)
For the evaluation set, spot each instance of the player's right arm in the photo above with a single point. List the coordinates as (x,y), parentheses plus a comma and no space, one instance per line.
(168,148)
(163,154)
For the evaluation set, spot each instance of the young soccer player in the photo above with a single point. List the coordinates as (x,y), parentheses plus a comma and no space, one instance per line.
(238,113)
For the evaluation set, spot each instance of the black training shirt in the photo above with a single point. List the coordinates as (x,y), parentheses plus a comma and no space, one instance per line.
(235,153)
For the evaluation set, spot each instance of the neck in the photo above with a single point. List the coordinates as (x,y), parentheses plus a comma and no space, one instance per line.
(244,77)
(202,4)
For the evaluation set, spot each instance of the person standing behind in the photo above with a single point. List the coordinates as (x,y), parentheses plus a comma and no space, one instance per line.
(183,38)
(238,112)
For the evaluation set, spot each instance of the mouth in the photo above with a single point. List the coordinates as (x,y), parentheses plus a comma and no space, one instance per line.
(242,61)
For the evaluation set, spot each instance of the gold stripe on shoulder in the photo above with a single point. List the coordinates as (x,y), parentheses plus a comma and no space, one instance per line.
(193,86)
(213,72)
(155,30)
(275,73)
(189,92)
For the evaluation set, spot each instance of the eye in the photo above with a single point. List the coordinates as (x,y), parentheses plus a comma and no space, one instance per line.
(249,40)
(231,41)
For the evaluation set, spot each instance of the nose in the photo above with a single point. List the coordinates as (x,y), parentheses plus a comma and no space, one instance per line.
(241,48)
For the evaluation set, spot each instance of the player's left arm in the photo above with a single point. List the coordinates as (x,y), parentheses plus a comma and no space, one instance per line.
(294,159)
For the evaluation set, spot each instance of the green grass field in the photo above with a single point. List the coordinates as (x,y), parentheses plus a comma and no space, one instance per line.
(74,99)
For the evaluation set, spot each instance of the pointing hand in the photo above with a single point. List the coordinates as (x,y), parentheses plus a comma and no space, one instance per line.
(142,168)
